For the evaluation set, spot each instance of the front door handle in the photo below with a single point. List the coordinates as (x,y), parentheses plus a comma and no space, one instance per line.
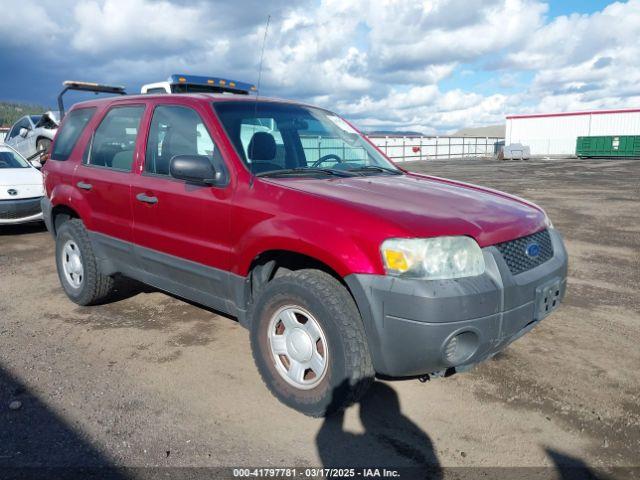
(84,186)
(147,199)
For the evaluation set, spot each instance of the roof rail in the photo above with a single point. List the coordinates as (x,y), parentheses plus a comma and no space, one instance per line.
(86,87)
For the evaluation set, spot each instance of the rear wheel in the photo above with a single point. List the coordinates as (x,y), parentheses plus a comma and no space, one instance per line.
(43,144)
(309,343)
(78,269)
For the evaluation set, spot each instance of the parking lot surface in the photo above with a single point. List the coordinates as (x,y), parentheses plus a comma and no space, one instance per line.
(149,380)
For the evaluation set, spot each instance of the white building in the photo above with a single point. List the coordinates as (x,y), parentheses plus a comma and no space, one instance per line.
(556,133)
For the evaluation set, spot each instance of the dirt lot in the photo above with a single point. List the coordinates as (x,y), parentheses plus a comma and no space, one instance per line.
(149,380)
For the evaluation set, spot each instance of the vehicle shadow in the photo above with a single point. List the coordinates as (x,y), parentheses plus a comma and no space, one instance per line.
(571,468)
(22,229)
(126,288)
(37,443)
(390,438)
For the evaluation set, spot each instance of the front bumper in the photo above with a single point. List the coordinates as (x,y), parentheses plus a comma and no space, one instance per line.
(409,323)
(20,211)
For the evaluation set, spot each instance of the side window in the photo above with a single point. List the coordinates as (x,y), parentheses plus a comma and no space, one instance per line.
(114,141)
(22,123)
(66,138)
(177,131)
(14,131)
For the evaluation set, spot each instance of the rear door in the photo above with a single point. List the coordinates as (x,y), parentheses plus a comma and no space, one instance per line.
(104,178)
(181,229)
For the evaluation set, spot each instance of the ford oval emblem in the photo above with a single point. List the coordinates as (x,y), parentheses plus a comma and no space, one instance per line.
(12,191)
(533,250)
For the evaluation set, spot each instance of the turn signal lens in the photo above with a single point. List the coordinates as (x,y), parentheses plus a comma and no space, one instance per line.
(395,260)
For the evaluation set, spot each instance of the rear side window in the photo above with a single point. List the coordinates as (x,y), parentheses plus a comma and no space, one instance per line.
(70,131)
(114,141)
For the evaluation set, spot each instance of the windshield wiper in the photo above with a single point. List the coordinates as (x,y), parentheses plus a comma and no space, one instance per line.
(375,168)
(305,171)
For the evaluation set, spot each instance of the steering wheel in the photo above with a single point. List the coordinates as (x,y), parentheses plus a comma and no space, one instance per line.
(325,158)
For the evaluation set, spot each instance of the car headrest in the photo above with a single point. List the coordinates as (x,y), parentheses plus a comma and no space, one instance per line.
(262,146)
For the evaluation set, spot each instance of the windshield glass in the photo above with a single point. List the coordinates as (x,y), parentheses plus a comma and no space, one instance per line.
(10,159)
(279,137)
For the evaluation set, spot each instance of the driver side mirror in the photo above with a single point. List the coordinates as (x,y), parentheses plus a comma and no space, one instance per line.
(196,169)
(23,132)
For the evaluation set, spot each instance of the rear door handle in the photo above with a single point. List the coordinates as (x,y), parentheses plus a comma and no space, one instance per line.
(147,199)
(84,186)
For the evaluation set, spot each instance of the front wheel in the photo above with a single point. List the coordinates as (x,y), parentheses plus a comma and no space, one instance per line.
(309,344)
(43,145)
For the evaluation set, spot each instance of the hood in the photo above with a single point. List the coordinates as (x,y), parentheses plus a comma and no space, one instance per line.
(425,206)
(26,181)
(53,115)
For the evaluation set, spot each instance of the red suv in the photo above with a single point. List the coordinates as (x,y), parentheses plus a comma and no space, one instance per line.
(341,264)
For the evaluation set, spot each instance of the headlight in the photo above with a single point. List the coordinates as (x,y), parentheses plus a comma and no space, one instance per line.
(547,220)
(432,258)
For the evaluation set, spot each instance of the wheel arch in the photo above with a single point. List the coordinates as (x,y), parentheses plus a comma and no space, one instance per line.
(60,214)
(278,261)
(270,264)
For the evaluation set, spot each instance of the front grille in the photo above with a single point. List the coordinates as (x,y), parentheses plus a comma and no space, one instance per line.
(515,254)
(16,209)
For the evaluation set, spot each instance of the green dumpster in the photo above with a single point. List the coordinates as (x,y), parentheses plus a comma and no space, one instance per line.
(608,146)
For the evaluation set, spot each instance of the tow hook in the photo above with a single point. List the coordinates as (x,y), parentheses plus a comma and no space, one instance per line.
(439,374)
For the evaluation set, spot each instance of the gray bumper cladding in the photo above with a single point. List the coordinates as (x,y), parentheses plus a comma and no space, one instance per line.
(416,327)
(45,206)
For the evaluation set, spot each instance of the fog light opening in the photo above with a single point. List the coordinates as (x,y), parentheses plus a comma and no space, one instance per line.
(460,347)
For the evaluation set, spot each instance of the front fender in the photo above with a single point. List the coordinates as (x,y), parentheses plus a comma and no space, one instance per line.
(328,244)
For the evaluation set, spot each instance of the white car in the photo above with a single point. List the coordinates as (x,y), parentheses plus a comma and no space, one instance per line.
(33,133)
(21,188)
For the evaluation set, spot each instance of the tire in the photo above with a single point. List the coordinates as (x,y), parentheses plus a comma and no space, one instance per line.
(312,296)
(43,144)
(84,285)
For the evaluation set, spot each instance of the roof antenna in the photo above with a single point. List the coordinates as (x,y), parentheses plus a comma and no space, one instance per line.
(264,41)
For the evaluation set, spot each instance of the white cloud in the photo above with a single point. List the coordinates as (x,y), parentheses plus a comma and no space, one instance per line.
(115,26)
(407,34)
(26,23)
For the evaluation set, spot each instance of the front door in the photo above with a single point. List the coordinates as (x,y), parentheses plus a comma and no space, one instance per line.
(104,178)
(181,230)
(19,142)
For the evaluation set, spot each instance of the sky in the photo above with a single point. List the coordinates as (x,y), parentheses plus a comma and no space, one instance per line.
(427,66)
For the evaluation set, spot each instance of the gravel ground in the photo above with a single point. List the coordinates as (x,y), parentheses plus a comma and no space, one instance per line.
(151,381)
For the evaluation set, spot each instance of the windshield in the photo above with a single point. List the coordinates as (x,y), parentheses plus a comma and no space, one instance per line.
(10,159)
(278,138)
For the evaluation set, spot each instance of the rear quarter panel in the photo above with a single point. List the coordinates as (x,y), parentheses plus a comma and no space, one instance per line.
(59,176)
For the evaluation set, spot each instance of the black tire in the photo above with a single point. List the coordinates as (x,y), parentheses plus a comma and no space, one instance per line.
(349,371)
(43,144)
(94,286)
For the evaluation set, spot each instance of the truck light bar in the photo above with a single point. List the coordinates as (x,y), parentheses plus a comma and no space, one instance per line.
(86,87)
(219,84)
